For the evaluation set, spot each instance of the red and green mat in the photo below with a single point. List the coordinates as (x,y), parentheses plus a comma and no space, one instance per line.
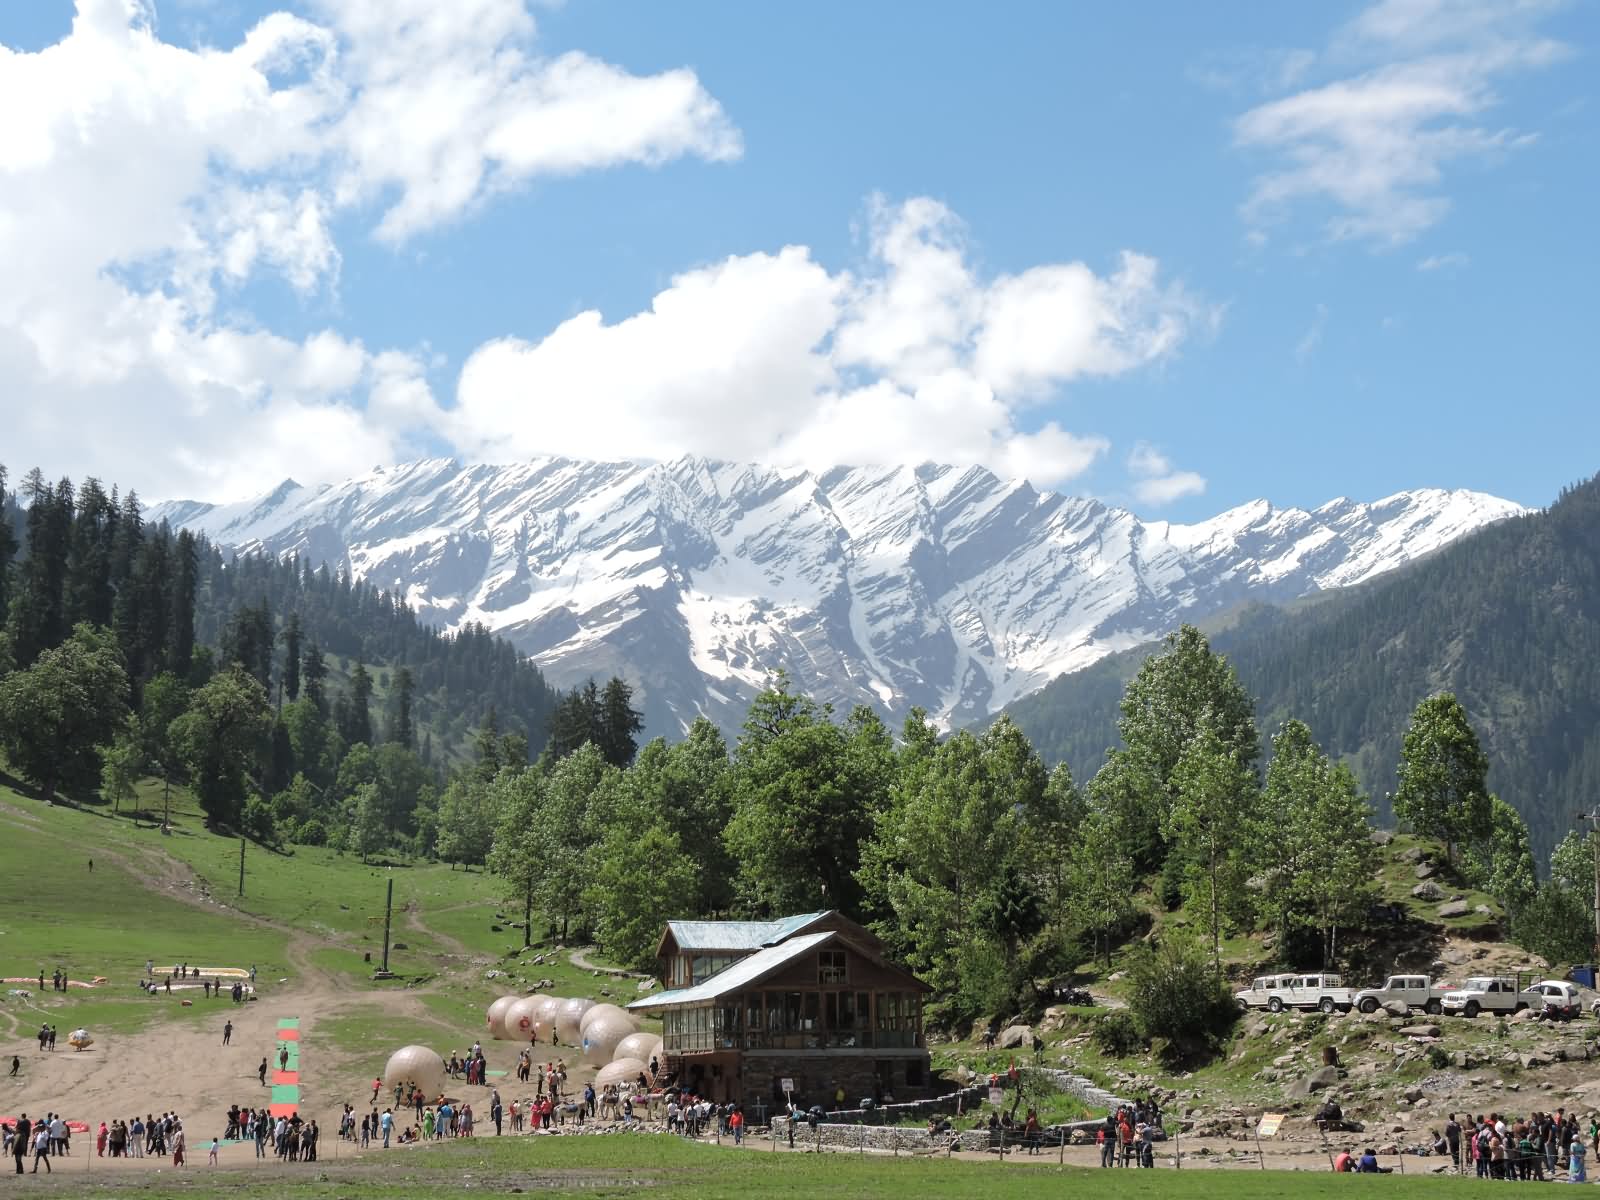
(286,1077)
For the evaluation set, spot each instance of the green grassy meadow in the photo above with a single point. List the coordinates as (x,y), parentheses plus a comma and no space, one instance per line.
(664,1166)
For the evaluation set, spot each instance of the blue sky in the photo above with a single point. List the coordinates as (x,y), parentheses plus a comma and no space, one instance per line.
(1365,249)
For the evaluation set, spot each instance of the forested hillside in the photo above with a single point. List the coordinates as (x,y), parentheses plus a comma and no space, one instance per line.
(1508,619)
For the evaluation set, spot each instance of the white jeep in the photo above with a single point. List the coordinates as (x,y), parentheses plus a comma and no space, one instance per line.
(1485,993)
(1414,991)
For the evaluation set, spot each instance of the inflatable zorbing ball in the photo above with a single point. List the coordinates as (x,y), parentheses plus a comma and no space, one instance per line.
(79,1039)
(624,1071)
(518,1018)
(418,1065)
(604,1026)
(569,1019)
(495,1016)
(544,1016)
(643,1046)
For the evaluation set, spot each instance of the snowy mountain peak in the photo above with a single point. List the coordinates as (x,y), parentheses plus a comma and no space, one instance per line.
(945,587)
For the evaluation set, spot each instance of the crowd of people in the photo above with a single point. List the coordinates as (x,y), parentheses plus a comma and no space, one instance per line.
(1539,1146)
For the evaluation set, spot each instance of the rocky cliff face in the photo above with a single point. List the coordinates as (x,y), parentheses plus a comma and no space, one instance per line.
(937,586)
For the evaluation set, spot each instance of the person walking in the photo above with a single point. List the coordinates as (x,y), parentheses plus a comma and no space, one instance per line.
(262,1071)
(41,1150)
(387,1123)
(283,1057)
(16,1064)
(179,1145)
(227,1032)
(211,1159)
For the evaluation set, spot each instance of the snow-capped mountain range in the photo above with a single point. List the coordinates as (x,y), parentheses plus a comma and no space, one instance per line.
(945,587)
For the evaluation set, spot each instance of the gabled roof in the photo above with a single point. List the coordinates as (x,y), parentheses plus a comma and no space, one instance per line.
(753,968)
(741,936)
(737,975)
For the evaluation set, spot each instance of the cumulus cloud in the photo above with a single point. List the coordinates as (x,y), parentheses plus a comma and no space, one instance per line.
(1156,481)
(774,357)
(141,182)
(1409,88)
(143,185)
(1444,262)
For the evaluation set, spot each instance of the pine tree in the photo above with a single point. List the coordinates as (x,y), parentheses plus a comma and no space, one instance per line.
(8,550)
(37,618)
(315,670)
(291,657)
(89,592)
(403,732)
(180,634)
(360,696)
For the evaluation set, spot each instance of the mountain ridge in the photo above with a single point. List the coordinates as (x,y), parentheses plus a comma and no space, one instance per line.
(944,587)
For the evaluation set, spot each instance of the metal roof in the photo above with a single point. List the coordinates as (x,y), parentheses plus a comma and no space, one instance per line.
(740,974)
(736,935)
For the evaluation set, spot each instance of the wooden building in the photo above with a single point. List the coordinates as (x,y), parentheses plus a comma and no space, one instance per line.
(809,998)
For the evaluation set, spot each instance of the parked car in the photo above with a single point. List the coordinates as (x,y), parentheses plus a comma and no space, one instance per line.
(1485,993)
(1558,999)
(1414,991)
(1322,991)
(1265,991)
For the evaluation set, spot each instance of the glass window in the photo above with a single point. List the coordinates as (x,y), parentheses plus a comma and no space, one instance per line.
(831,967)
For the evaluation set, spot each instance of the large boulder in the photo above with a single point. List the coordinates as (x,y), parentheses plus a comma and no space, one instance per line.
(1014,1037)
(1454,908)
(1425,870)
(1395,1008)
(1323,1077)
(1428,890)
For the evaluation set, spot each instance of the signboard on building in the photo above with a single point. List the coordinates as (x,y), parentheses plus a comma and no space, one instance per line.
(786,1084)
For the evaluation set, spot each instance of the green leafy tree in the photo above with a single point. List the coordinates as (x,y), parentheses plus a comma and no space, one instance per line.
(1443,791)
(56,714)
(1178,998)
(1572,865)
(218,739)
(1165,705)
(466,823)
(1341,885)
(368,831)
(638,885)
(516,854)
(942,846)
(1501,861)
(685,787)
(1101,878)
(1213,802)
(805,794)
(122,766)
(1555,924)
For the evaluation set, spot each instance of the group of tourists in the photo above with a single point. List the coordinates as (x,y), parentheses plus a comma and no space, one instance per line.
(473,1068)
(51,1137)
(58,980)
(1540,1146)
(1128,1135)
(47,1038)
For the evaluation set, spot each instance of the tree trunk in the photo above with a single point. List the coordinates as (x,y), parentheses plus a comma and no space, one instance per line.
(1216,921)
(527,918)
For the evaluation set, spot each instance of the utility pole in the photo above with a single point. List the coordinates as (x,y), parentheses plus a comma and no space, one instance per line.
(388,909)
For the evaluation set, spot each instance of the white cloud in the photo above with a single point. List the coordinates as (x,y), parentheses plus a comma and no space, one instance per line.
(1372,148)
(1444,262)
(1156,481)
(773,357)
(143,183)
(1312,338)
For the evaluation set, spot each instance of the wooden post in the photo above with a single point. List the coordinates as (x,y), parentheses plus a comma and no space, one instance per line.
(241,866)
(388,910)
(1261,1155)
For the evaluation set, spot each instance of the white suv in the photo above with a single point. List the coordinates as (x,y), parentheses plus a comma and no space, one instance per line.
(1485,993)
(1266,991)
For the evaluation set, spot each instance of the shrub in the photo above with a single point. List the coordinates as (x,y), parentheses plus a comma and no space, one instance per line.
(256,821)
(1177,995)
(1438,1059)
(1117,1034)
(312,832)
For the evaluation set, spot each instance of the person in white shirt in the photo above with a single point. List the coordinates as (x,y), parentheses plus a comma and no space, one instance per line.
(41,1151)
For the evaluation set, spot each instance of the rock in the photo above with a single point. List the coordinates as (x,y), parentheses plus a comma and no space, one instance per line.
(1483,910)
(1425,870)
(1323,1077)
(1463,1060)
(1283,1060)
(1419,1031)
(1526,1014)
(1454,908)
(1428,890)
(1395,1008)
(1381,837)
(1529,1061)
(1413,1094)
(1410,855)
(1014,1037)
(647,985)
